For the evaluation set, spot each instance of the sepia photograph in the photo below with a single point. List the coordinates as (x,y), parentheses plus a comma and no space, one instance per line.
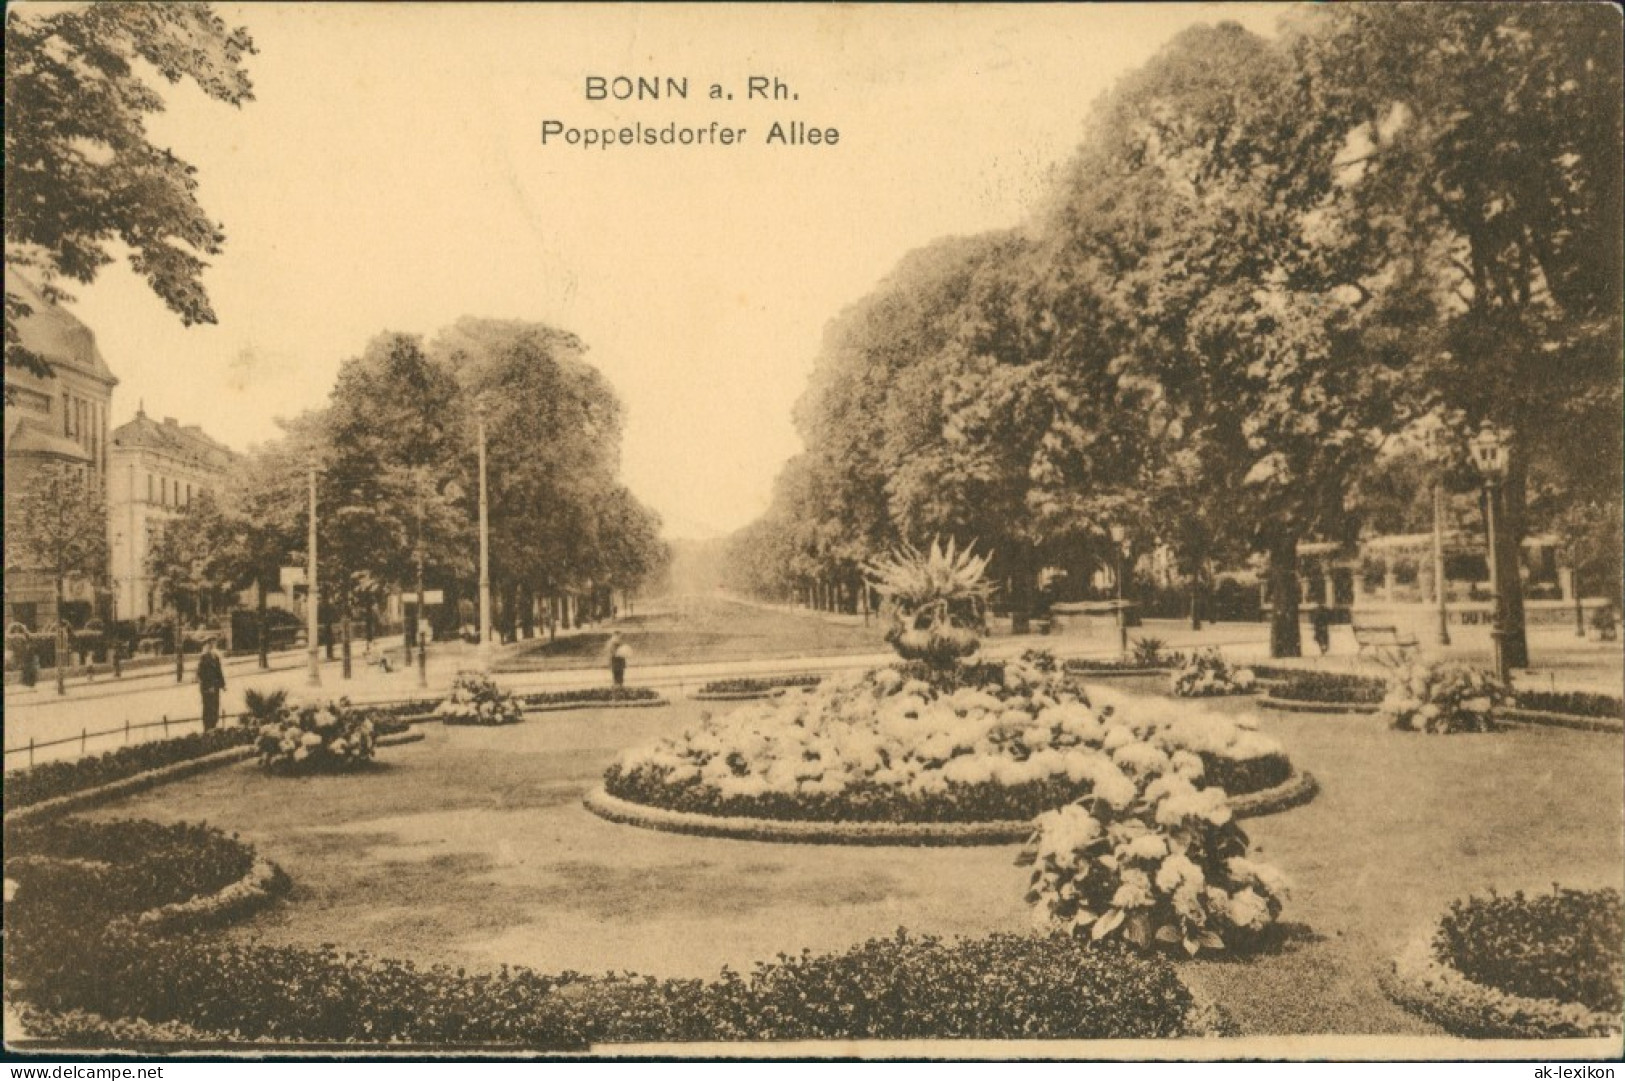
(790,531)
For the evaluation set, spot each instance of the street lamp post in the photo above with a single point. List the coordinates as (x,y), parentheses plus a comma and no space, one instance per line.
(1119,536)
(1438,564)
(485,552)
(312,594)
(1489,453)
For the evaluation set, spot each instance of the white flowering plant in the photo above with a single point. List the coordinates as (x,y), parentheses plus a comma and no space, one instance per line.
(890,747)
(1207,673)
(1444,698)
(316,737)
(1161,864)
(476,698)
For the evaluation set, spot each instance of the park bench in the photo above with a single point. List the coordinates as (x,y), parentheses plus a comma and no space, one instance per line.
(1383,642)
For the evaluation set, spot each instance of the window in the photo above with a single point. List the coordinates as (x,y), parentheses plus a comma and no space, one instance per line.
(188,495)
(149,487)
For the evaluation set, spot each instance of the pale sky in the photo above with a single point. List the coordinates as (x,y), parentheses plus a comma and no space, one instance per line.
(390,175)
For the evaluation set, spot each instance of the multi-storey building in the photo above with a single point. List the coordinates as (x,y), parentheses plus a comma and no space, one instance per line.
(58,418)
(155,470)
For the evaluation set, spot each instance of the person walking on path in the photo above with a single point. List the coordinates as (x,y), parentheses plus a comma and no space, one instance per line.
(619,652)
(211,680)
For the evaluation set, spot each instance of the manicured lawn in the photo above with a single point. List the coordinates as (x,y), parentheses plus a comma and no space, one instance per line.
(472,848)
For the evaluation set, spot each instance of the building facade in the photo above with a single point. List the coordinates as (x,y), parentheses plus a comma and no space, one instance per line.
(56,420)
(155,470)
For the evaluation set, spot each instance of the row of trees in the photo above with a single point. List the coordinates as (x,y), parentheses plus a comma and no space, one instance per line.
(1273,269)
(397,489)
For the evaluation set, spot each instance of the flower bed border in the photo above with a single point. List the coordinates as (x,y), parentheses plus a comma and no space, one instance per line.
(738,696)
(1304,705)
(88,797)
(255,889)
(1421,983)
(124,786)
(1539,718)
(1297,788)
(1086,674)
(634,703)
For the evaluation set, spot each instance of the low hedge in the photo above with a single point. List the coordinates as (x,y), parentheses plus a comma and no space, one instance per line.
(754,685)
(1568,945)
(867,802)
(1128,664)
(1574,703)
(48,780)
(1295,685)
(1000,987)
(590,695)
(51,779)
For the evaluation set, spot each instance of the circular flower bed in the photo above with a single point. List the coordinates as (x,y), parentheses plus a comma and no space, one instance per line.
(900,744)
(476,699)
(1444,699)
(1517,967)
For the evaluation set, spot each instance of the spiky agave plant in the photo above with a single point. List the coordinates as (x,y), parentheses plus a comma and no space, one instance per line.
(937,598)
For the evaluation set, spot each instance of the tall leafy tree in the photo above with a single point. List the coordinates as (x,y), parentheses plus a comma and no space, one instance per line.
(1489,139)
(82,174)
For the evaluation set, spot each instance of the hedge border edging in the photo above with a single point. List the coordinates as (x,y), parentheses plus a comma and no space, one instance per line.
(254,889)
(1539,718)
(1426,986)
(125,786)
(1299,787)
(89,797)
(635,703)
(1109,673)
(1296,789)
(1304,705)
(737,696)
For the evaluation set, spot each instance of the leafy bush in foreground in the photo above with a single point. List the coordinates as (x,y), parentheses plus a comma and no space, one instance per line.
(80,980)
(1568,945)
(1000,987)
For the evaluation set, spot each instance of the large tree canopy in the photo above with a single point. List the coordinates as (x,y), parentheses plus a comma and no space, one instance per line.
(81,171)
(1268,259)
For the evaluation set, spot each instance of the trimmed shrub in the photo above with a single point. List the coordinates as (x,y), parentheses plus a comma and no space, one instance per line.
(1568,945)
(1000,987)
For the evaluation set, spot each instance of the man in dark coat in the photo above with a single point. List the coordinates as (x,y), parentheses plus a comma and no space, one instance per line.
(211,680)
